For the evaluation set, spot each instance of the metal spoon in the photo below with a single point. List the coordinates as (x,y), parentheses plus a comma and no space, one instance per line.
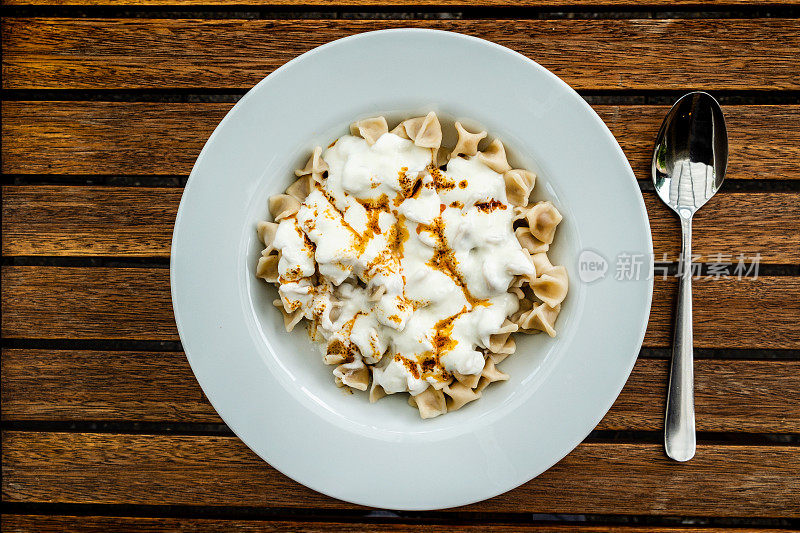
(689,162)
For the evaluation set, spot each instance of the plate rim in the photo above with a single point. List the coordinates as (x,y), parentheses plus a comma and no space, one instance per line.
(642,211)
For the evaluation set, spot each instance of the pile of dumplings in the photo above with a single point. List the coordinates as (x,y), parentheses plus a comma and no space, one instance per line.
(540,294)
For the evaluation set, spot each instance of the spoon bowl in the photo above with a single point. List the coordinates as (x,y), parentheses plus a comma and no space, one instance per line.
(691,153)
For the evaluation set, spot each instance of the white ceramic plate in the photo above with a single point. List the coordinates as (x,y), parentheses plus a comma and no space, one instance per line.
(271,387)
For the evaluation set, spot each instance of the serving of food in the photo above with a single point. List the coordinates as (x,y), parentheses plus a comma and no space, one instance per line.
(413,263)
(419,254)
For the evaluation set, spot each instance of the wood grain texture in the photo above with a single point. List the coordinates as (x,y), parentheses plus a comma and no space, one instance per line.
(763,139)
(731,396)
(615,478)
(134,303)
(106,137)
(116,386)
(105,524)
(88,221)
(138,222)
(93,303)
(54,53)
(165,138)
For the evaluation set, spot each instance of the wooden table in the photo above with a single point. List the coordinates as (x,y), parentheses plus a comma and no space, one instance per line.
(106,107)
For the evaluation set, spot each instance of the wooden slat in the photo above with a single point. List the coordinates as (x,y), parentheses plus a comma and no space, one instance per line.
(94,303)
(588,54)
(89,221)
(134,303)
(730,313)
(762,138)
(731,396)
(143,386)
(138,222)
(165,138)
(106,137)
(218,471)
(104,524)
(751,224)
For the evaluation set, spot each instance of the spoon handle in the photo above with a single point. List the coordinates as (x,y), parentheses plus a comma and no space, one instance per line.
(679,436)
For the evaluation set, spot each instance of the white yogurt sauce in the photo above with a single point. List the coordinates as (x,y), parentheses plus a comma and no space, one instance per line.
(414,263)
